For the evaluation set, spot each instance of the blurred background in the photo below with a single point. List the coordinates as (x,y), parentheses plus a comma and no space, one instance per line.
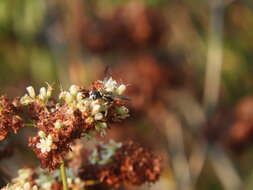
(187,64)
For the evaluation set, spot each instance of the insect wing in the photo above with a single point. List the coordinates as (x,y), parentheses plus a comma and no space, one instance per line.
(119,97)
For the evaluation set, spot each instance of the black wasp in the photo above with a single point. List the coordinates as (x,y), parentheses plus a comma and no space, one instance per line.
(102,94)
(108,96)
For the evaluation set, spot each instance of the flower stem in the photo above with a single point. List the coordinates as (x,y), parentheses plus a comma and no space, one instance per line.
(29,125)
(63,176)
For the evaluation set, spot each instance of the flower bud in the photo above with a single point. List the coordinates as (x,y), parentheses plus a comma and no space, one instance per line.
(110,85)
(121,89)
(122,110)
(89,120)
(58,125)
(49,91)
(50,138)
(42,134)
(101,125)
(62,95)
(43,93)
(69,98)
(25,100)
(74,89)
(27,186)
(95,109)
(98,116)
(79,96)
(31,91)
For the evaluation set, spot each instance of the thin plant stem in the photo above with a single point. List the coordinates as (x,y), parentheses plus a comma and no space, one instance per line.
(64,176)
(214,57)
(29,124)
(210,102)
(177,151)
(212,75)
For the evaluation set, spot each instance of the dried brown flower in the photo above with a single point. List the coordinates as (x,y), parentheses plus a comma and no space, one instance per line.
(241,132)
(9,119)
(130,27)
(131,164)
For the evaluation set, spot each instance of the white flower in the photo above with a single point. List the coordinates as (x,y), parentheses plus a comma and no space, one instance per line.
(69,98)
(69,180)
(105,154)
(49,91)
(58,124)
(121,89)
(24,174)
(66,96)
(100,127)
(74,89)
(93,158)
(45,144)
(62,95)
(98,116)
(77,180)
(79,96)
(35,187)
(18,188)
(95,109)
(44,180)
(25,100)
(110,85)
(42,134)
(123,112)
(27,186)
(82,107)
(43,93)
(31,91)
(89,120)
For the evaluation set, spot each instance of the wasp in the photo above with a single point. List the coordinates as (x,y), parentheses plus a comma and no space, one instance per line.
(107,96)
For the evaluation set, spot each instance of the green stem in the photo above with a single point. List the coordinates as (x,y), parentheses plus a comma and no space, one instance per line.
(64,176)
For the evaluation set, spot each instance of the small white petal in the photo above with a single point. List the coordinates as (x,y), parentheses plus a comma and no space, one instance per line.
(79,96)
(98,116)
(26,100)
(42,134)
(110,85)
(43,92)
(95,109)
(69,98)
(31,91)
(27,186)
(49,91)
(58,124)
(74,89)
(121,89)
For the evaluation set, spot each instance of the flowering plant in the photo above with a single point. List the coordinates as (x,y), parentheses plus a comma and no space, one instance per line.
(77,112)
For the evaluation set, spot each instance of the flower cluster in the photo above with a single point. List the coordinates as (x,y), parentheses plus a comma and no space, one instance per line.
(41,99)
(117,164)
(9,118)
(104,153)
(79,112)
(23,181)
(39,179)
